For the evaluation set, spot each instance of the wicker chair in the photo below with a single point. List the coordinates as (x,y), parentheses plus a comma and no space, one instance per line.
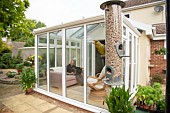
(97,87)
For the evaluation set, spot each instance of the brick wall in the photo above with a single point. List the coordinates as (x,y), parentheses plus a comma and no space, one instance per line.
(157,60)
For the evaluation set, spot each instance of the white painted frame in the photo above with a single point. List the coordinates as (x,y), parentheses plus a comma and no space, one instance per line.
(63,98)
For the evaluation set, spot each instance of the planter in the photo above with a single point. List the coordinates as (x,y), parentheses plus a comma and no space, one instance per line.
(29,91)
(19,71)
(145,110)
(160,111)
(140,111)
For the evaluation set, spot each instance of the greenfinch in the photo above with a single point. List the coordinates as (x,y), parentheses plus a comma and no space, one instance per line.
(100,47)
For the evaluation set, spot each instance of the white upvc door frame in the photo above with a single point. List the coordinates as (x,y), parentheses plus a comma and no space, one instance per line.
(48,60)
(85,62)
(36,59)
(64,63)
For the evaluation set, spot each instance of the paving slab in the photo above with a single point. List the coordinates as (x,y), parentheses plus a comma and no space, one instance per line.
(45,106)
(21,108)
(27,104)
(60,110)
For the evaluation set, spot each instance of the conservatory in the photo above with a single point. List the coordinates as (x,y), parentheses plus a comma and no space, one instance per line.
(60,44)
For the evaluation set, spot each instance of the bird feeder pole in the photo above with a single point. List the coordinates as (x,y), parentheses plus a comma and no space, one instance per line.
(113,19)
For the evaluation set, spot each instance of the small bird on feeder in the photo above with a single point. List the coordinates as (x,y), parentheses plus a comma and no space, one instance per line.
(100,47)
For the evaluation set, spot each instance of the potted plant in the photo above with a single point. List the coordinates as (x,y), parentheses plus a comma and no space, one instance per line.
(27,80)
(118,101)
(147,97)
(19,67)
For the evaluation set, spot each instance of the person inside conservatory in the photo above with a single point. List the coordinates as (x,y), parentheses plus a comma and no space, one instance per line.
(72,69)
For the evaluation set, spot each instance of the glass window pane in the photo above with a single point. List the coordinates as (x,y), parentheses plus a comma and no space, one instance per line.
(42,63)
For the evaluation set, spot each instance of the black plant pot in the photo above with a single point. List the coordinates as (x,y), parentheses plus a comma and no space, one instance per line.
(160,111)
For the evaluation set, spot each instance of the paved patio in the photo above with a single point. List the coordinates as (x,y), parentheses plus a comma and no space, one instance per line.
(22,103)
(29,104)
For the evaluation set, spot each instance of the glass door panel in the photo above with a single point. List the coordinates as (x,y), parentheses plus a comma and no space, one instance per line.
(55,57)
(74,77)
(95,63)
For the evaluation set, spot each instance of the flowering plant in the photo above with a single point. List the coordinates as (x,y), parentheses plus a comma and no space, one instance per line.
(160,51)
(31,59)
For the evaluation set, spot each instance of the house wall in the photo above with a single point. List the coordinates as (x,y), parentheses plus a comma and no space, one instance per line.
(147,15)
(144,59)
(158,61)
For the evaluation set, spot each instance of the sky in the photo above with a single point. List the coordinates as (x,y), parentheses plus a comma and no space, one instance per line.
(55,12)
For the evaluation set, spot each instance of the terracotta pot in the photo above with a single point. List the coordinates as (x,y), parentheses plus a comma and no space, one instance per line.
(29,91)
(146,107)
(19,71)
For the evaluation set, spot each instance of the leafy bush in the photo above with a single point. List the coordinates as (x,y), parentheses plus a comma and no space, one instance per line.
(158,78)
(19,66)
(2,66)
(11,74)
(118,101)
(4,48)
(161,104)
(29,42)
(149,95)
(7,61)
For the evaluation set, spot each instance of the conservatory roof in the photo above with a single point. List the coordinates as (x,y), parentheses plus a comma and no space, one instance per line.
(80,32)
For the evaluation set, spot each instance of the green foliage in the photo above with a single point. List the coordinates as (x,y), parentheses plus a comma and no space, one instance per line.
(11,14)
(19,66)
(118,101)
(24,32)
(161,104)
(29,42)
(4,48)
(7,61)
(161,51)
(11,74)
(149,95)
(27,78)
(158,78)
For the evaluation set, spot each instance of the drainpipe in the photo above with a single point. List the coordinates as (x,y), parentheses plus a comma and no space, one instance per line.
(167,56)
(113,18)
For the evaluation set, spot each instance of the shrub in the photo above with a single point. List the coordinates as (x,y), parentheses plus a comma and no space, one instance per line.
(19,66)
(11,74)
(2,66)
(4,48)
(6,59)
(158,78)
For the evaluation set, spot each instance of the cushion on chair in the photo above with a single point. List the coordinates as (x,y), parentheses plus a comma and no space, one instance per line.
(99,86)
(56,69)
(91,80)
